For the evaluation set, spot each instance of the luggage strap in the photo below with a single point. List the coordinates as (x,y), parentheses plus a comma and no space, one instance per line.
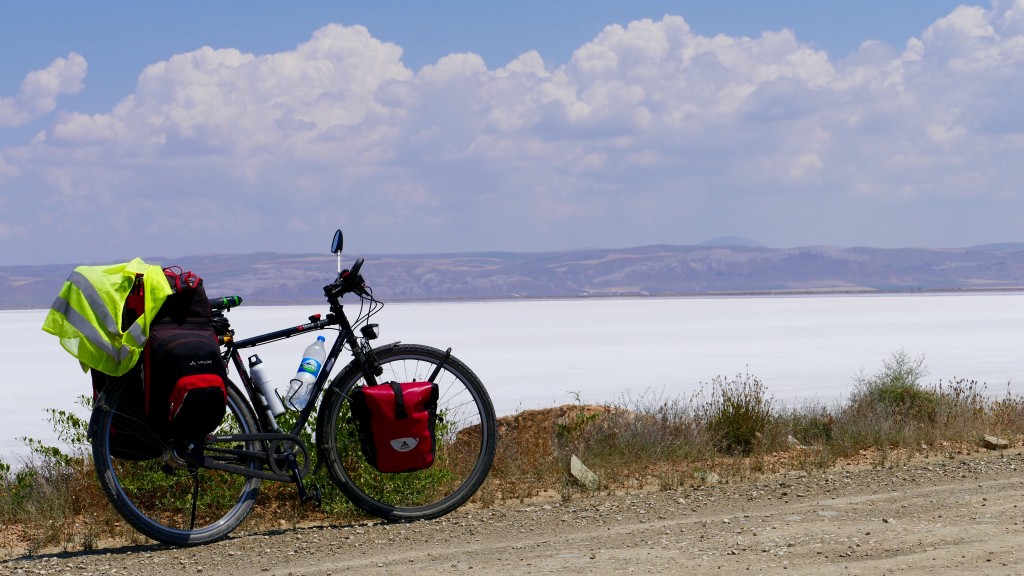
(400,412)
(181,280)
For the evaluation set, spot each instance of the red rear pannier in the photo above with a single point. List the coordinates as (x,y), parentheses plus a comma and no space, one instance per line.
(396,424)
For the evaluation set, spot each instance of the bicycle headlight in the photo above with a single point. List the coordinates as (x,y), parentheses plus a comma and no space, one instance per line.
(370,332)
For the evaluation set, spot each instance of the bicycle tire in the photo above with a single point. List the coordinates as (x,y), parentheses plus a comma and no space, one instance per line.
(155,495)
(466,439)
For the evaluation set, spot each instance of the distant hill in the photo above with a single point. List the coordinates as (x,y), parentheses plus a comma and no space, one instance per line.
(732,241)
(662,270)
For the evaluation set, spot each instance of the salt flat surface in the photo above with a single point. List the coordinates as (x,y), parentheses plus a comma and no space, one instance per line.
(533,354)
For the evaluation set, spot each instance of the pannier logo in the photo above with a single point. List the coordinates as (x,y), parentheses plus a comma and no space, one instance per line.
(200,362)
(404,444)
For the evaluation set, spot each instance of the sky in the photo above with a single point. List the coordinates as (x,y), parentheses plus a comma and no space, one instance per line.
(164,129)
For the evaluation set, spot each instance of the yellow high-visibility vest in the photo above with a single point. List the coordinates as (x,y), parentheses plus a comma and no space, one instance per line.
(87,314)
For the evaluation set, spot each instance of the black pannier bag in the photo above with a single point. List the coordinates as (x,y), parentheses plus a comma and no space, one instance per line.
(396,424)
(185,376)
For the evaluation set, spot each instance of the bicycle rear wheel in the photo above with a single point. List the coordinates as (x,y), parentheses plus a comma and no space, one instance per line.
(466,437)
(164,497)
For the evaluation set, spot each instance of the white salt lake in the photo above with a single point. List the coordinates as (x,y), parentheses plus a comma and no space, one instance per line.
(535,354)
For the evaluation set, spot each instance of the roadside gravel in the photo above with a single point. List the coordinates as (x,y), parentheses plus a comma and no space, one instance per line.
(950,514)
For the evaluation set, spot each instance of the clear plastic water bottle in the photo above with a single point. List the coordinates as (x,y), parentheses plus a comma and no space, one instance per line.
(264,383)
(301,386)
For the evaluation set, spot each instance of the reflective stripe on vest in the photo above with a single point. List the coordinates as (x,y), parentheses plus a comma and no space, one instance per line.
(102,313)
(89,331)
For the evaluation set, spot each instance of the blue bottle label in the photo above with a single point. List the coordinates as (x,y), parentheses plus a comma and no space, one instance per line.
(310,365)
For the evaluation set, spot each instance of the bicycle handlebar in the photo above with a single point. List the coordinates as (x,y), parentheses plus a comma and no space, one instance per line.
(348,281)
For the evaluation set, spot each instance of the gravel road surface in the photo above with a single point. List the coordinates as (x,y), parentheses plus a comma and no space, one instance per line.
(947,514)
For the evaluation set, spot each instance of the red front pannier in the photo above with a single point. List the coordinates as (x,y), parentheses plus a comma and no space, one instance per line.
(396,424)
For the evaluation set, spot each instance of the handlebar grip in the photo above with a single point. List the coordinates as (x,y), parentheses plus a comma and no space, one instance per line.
(351,279)
(225,302)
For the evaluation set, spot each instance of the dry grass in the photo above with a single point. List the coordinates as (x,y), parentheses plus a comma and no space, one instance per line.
(49,504)
(730,430)
(733,428)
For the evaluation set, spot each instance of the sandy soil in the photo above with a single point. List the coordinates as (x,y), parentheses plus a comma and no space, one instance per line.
(951,514)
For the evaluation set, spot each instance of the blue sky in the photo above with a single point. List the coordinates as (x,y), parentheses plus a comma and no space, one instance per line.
(139,128)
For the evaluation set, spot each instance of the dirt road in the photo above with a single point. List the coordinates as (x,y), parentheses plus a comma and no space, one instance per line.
(951,514)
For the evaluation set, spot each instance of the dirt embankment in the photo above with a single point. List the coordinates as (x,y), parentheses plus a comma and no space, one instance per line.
(951,514)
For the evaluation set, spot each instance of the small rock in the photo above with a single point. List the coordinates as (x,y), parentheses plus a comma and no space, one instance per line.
(579,471)
(708,477)
(994,443)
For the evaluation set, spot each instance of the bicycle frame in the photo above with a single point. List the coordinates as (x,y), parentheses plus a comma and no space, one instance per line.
(271,430)
(345,336)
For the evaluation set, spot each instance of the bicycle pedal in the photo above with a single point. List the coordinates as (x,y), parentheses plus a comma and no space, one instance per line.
(313,495)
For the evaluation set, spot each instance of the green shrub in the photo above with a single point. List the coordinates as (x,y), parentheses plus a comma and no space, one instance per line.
(893,408)
(812,425)
(896,387)
(737,413)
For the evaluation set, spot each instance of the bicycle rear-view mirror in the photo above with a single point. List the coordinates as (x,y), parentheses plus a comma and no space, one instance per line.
(336,245)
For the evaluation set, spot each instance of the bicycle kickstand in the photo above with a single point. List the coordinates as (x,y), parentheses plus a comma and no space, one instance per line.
(313,494)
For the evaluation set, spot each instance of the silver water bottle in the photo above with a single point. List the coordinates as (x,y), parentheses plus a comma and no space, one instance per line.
(265,385)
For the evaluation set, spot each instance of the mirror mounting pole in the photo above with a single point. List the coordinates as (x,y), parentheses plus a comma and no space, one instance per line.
(336,247)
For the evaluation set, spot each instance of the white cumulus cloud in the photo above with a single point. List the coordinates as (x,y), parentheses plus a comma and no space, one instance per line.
(40,90)
(649,133)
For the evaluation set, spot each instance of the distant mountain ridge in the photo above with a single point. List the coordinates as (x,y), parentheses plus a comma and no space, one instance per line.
(720,267)
(732,241)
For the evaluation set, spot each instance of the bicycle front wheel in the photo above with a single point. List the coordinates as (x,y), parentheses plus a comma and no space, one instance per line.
(164,497)
(466,437)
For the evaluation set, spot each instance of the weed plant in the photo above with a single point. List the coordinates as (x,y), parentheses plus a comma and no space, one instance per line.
(737,414)
(729,429)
